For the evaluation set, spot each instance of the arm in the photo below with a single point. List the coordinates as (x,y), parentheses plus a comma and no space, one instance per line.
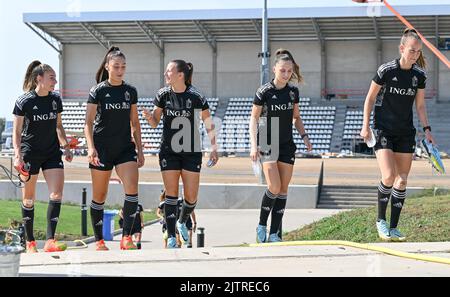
(17,140)
(63,139)
(91,111)
(153,117)
(298,123)
(210,129)
(421,109)
(158,213)
(136,129)
(368,105)
(254,118)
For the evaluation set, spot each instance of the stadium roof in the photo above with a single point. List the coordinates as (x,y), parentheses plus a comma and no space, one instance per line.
(222,25)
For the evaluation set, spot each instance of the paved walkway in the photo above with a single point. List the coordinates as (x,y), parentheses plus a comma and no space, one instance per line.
(226,227)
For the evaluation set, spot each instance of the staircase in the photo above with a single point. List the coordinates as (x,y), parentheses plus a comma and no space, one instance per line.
(346,197)
(338,129)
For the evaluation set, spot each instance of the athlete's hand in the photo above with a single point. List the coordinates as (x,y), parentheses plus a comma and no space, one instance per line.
(308,144)
(429,137)
(68,155)
(93,157)
(214,157)
(140,159)
(194,227)
(254,155)
(365,134)
(18,161)
(148,115)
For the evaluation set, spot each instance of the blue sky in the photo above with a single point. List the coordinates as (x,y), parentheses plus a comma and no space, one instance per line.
(20,45)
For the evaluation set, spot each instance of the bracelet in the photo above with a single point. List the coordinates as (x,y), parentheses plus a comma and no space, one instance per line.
(426,128)
(304,135)
(66,146)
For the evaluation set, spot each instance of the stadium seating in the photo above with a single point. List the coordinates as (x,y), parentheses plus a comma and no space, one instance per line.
(352,128)
(234,134)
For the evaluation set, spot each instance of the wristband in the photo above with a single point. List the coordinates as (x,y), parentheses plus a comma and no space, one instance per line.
(304,135)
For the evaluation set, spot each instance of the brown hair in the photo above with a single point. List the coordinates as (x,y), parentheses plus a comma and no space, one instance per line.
(187,68)
(284,55)
(34,69)
(102,73)
(412,33)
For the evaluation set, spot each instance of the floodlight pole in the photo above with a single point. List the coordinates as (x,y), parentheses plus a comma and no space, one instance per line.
(265,47)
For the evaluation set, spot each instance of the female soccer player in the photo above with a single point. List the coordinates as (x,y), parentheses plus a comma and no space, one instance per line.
(180,153)
(111,118)
(394,89)
(38,135)
(275,107)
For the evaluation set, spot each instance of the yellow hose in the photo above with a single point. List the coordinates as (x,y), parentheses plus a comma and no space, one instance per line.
(358,246)
(83,245)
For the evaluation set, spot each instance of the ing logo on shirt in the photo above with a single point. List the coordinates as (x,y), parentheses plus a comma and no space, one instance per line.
(178,113)
(44,117)
(278,107)
(117,106)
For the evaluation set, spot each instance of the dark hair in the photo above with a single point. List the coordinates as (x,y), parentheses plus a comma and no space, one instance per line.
(33,70)
(186,68)
(412,33)
(284,55)
(102,73)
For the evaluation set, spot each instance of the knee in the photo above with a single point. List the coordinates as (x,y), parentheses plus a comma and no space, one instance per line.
(190,199)
(56,196)
(100,197)
(274,189)
(401,182)
(388,180)
(28,202)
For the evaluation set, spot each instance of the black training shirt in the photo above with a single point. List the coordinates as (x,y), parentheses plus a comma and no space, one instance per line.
(179,110)
(393,106)
(112,122)
(277,104)
(39,137)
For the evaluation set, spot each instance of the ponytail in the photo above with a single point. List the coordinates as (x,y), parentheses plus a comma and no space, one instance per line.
(421,61)
(102,73)
(412,33)
(186,68)
(35,69)
(285,55)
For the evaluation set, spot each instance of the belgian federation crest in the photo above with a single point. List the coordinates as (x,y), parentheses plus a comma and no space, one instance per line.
(127,96)
(188,103)
(414,81)
(54,105)
(292,95)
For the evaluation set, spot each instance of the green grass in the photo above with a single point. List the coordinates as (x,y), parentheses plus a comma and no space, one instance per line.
(423,219)
(69,226)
